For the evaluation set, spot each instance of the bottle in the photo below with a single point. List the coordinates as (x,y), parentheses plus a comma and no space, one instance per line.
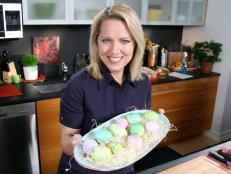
(184,63)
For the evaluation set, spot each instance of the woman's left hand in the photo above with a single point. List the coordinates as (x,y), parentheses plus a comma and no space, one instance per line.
(161,111)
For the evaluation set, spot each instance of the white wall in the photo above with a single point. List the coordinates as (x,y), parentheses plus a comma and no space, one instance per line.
(217,27)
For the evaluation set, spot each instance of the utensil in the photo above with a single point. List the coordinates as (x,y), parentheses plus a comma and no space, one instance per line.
(220,159)
(225,155)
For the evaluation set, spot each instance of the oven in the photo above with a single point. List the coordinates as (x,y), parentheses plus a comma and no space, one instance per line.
(11,20)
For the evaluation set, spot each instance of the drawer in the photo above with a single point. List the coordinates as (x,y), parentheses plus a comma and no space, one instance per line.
(210,82)
(169,99)
(201,96)
(186,116)
(166,87)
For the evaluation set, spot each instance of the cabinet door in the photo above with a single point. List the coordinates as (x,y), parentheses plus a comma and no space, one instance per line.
(49,134)
(159,12)
(198,12)
(85,10)
(182,15)
(134,4)
(190,12)
(45,11)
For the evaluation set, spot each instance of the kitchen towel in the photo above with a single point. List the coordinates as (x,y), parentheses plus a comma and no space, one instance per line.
(9,91)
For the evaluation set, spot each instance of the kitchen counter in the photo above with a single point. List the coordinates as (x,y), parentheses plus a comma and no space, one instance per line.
(31,94)
(178,161)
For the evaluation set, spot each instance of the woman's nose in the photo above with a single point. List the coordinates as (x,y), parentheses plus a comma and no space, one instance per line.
(115,48)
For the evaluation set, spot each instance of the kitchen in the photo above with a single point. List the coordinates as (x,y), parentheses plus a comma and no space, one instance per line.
(215,21)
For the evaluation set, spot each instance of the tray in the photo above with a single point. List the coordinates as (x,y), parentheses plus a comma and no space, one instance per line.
(128,155)
(188,69)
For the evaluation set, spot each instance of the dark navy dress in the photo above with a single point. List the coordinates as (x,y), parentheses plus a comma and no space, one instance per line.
(86,102)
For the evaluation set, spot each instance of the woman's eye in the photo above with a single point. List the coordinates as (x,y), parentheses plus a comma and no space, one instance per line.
(125,41)
(105,40)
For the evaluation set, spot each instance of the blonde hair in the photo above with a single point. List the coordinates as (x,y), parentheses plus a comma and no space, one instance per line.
(130,18)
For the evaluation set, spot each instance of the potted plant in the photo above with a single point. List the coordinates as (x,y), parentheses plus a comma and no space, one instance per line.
(30,66)
(206,54)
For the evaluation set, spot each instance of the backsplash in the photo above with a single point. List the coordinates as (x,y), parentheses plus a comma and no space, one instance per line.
(74,40)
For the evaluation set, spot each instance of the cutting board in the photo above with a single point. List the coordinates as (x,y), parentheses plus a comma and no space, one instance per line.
(9,91)
(200,165)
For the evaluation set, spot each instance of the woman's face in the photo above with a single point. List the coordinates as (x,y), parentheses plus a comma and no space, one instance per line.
(115,45)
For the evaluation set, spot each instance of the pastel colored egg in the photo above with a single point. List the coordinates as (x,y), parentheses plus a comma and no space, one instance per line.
(115,147)
(133,118)
(150,115)
(100,153)
(152,126)
(137,129)
(122,121)
(103,136)
(118,130)
(88,145)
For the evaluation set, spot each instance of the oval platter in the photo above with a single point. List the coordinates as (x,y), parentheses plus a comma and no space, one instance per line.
(127,154)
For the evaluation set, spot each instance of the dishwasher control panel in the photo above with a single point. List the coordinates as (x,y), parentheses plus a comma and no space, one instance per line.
(17,110)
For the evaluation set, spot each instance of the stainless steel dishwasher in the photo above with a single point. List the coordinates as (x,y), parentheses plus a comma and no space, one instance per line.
(18,139)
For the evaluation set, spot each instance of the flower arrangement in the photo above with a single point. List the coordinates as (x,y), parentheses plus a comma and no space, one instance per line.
(148,44)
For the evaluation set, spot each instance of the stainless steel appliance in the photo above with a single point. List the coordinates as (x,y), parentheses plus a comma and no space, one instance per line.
(18,144)
(11,20)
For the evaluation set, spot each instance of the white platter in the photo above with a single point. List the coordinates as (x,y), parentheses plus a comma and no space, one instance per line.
(127,156)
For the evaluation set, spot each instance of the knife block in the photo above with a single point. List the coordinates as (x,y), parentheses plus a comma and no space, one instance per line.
(12,68)
(7,75)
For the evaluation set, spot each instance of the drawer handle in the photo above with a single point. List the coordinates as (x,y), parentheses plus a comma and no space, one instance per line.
(205,81)
(199,116)
(202,93)
(3,114)
(24,111)
(164,88)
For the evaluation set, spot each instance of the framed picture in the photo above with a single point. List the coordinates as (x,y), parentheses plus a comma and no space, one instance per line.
(47,49)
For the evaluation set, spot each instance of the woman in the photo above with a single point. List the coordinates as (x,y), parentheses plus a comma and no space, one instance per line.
(112,84)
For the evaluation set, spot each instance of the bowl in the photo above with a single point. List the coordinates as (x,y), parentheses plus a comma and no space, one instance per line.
(153,80)
(44,10)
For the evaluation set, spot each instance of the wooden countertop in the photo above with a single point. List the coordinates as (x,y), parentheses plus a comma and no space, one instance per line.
(165,166)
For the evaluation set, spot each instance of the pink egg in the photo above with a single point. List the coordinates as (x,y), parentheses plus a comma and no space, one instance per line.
(122,121)
(89,144)
(152,126)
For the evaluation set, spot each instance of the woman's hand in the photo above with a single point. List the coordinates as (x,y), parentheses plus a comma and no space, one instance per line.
(161,111)
(75,139)
(69,139)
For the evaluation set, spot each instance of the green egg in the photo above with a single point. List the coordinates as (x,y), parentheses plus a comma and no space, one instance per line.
(150,115)
(137,129)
